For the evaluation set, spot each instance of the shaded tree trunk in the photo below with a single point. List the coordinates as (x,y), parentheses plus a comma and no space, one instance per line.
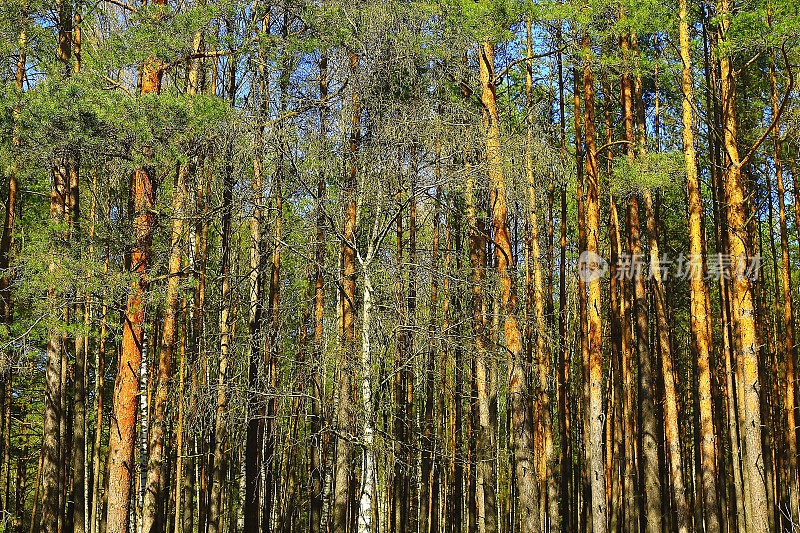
(348,294)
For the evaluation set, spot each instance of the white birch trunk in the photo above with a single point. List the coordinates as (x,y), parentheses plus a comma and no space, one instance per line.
(368,476)
(368,484)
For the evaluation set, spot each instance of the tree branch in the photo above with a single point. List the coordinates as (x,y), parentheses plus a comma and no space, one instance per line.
(777,114)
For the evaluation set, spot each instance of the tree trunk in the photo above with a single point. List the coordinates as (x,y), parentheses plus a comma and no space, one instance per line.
(219,469)
(525,471)
(563,347)
(154,491)
(253,440)
(343,446)
(123,427)
(51,442)
(700,323)
(429,482)
(595,407)
(650,462)
(485,466)
(788,317)
(743,303)
(662,330)
(98,406)
(317,392)
(179,431)
(6,301)
(368,475)
(539,296)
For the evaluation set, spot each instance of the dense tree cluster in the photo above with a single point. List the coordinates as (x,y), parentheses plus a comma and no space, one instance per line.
(390,266)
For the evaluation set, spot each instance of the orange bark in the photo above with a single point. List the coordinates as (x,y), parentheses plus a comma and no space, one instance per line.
(593,304)
(154,492)
(701,327)
(788,318)
(123,425)
(348,332)
(742,298)
(521,425)
(123,430)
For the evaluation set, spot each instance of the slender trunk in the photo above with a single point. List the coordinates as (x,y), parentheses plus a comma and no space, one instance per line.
(701,327)
(668,375)
(317,392)
(98,405)
(650,464)
(81,340)
(595,406)
(542,352)
(53,412)
(485,474)
(154,491)
(522,429)
(343,446)
(6,302)
(21,479)
(123,427)
(219,469)
(429,482)
(399,516)
(662,330)
(581,515)
(743,302)
(51,441)
(563,352)
(368,480)
(456,494)
(253,442)
(788,317)
(179,431)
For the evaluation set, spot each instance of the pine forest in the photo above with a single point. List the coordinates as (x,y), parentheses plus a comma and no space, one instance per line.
(399,266)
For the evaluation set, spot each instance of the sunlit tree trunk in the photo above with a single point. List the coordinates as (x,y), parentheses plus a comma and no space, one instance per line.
(563,348)
(123,427)
(485,469)
(743,303)
(522,429)
(100,360)
(674,459)
(81,339)
(55,372)
(6,301)
(595,405)
(430,468)
(368,474)
(155,483)
(788,316)
(542,352)
(701,326)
